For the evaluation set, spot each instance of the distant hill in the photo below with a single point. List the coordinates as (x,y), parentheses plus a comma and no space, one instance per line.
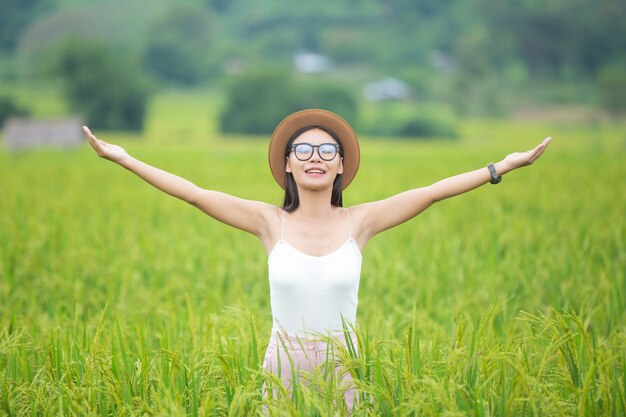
(438,47)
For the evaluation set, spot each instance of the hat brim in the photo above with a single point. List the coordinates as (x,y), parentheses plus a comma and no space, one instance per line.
(314,117)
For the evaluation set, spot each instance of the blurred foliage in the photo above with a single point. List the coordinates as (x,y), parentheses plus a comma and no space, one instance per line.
(480,36)
(104,87)
(410,122)
(119,24)
(179,45)
(17,15)
(612,86)
(258,100)
(479,57)
(9,108)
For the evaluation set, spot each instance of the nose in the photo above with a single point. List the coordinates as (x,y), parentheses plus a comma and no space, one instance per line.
(315,156)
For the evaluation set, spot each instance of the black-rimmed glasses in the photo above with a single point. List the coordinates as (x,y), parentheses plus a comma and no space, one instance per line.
(326,151)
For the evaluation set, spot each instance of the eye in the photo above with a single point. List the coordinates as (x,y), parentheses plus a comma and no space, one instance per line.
(327,150)
(303,150)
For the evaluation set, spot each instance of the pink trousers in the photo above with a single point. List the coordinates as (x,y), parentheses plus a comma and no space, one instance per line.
(295,353)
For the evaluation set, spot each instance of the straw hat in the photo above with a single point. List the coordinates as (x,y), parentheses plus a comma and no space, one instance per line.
(314,117)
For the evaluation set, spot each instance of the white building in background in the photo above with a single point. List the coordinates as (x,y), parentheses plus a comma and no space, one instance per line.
(307,62)
(441,62)
(387,88)
(234,65)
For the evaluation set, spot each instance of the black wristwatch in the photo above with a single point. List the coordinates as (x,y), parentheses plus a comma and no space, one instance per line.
(495,178)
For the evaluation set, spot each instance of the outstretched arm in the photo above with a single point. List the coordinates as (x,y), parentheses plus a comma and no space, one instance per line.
(385,214)
(243,214)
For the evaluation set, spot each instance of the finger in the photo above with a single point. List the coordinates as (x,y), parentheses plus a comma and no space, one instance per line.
(542,147)
(538,154)
(89,135)
(534,158)
(534,152)
(544,142)
(88,132)
(93,141)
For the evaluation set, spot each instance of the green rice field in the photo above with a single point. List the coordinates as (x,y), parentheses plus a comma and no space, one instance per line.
(117,300)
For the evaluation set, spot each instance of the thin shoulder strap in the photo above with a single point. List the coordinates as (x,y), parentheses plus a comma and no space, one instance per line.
(349,223)
(282,226)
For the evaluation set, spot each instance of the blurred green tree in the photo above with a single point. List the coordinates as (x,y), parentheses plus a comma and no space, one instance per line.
(485,56)
(8,108)
(15,16)
(219,6)
(611,81)
(178,46)
(257,101)
(105,88)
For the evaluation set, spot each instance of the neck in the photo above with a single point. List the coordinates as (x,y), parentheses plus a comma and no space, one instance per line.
(315,203)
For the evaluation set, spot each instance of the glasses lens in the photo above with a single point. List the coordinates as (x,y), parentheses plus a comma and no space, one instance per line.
(303,151)
(327,151)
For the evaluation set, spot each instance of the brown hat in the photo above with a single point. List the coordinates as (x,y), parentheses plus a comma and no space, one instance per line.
(314,117)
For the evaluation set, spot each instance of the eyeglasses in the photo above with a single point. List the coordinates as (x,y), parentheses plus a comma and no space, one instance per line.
(304,151)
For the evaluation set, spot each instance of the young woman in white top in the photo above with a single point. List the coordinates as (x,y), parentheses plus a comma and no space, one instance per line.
(314,244)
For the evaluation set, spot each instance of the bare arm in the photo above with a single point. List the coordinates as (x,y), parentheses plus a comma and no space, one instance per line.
(243,214)
(385,214)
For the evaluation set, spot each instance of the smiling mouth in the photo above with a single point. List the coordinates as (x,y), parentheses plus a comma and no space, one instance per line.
(314,171)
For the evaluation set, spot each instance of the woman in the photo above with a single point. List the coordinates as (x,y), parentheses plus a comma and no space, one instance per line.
(314,244)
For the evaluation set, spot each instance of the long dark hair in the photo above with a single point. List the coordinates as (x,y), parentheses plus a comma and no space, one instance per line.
(292,200)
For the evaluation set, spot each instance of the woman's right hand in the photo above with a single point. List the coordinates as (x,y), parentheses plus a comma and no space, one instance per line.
(105,150)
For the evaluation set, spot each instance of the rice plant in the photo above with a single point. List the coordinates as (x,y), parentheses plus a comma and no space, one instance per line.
(509,300)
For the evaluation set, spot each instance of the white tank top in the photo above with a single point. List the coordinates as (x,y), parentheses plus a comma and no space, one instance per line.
(310,294)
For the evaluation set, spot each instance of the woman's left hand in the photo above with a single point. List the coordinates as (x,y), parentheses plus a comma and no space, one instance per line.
(521,159)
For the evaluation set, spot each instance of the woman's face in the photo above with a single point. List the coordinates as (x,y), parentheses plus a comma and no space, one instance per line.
(314,173)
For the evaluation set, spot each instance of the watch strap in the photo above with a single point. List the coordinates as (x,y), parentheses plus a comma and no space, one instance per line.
(495,178)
